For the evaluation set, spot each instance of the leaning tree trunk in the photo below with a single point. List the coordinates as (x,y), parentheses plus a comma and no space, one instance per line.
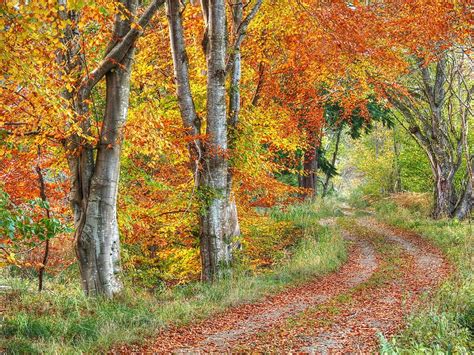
(215,242)
(333,162)
(191,121)
(232,226)
(466,201)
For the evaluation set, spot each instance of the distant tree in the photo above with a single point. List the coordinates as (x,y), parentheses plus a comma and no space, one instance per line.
(436,109)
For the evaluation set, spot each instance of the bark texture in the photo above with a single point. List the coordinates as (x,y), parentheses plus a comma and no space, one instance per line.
(215,243)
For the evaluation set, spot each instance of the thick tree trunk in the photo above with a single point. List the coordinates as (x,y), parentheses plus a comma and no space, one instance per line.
(98,242)
(218,220)
(210,160)
(97,235)
(215,242)
(466,202)
(443,194)
(94,176)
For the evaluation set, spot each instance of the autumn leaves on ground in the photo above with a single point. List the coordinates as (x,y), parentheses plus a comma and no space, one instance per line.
(387,270)
(236,176)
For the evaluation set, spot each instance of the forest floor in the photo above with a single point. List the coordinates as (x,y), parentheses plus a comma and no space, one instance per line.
(387,272)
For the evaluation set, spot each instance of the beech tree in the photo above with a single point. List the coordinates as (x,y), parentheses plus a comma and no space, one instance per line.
(95,168)
(210,157)
(436,110)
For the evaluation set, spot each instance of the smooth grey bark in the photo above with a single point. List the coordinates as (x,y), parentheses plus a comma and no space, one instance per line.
(191,120)
(210,160)
(215,244)
(97,238)
(436,114)
(95,170)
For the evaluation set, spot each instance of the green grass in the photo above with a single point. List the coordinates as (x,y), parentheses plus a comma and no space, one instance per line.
(445,322)
(62,320)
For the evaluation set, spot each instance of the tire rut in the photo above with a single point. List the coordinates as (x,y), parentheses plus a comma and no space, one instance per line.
(396,300)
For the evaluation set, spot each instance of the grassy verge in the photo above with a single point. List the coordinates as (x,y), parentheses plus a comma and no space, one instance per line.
(62,320)
(445,322)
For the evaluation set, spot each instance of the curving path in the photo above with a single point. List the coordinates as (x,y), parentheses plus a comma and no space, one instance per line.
(385,275)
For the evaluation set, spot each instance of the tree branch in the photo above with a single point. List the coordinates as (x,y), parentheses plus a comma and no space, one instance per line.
(118,52)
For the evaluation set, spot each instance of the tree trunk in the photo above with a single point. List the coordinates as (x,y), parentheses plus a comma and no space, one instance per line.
(42,190)
(210,161)
(333,162)
(466,202)
(94,176)
(443,197)
(441,130)
(310,166)
(215,242)
(218,220)
(232,226)
(97,235)
(191,121)
(397,179)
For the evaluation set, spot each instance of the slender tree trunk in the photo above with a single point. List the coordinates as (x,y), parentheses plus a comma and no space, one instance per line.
(310,167)
(232,226)
(333,162)
(397,186)
(191,121)
(42,188)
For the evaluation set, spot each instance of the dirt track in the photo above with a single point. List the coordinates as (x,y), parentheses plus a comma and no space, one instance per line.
(371,293)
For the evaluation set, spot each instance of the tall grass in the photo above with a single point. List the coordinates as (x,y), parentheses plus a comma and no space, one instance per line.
(63,320)
(445,321)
